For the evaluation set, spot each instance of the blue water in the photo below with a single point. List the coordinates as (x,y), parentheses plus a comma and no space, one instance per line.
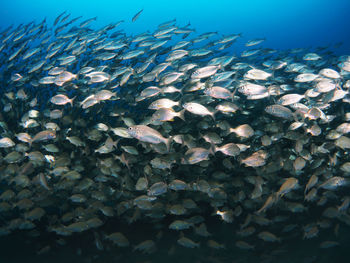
(284,23)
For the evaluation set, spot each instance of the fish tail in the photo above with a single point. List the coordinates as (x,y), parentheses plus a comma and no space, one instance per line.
(215,148)
(212,114)
(212,148)
(71,101)
(115,144)
(181,114)
(235,90)
(168,143)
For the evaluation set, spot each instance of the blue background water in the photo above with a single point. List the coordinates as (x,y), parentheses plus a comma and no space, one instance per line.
(285,23)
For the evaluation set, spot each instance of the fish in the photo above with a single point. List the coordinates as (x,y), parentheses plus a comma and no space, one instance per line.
(218,92)
(254,42)
(57,19)
(61,99)
(204,72)
(250,89)
(147,134)
(306,77)
(279,111)
(6,143)
(195,155)
(147,247)
(257,74)
(270,201)
(268,237)
(257,159)
(244,131)
(180,225)
(186,242)
(244,245)
(290,99)
(290,184)
(198,109)
(43,136)
(119,239)
(167,115)
(163,104)
(334,182)
(157,189)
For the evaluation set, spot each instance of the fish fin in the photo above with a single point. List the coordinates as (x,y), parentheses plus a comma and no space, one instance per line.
(168,143)
(182,114)
(115,143)
(71,101)
(212,148)
(212,114)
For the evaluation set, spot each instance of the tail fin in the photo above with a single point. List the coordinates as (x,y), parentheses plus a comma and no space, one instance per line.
(181,114)
(212,114)
(168,143)
(212,148)
(71,101)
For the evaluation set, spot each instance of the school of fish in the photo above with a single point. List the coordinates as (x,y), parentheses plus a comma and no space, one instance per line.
(173,129)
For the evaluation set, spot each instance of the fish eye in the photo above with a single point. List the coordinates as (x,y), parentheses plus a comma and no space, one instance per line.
(129,128)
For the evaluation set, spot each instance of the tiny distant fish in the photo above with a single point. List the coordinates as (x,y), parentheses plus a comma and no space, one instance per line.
(269,237)
(136,16)
(244,245)
(180,225)
(186,242)
(58,18)
(329,244)
(87,22)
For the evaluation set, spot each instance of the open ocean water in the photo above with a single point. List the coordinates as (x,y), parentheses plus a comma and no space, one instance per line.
(174,131)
